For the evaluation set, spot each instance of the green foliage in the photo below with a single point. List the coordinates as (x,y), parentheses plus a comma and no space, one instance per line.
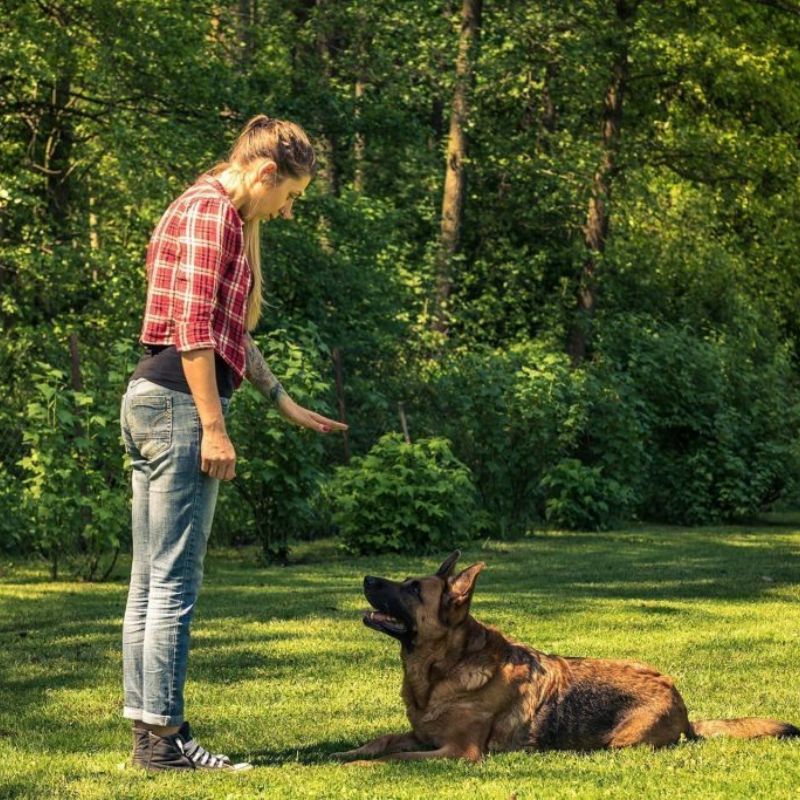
(684,409)
(509,413)
(514,415)
(74,508)
(661,424)
(278,466)
(580,497)
(356,290)
(404,498)
(12,518)
(720,415)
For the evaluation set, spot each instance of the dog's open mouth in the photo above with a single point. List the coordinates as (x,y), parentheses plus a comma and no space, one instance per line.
(384,622)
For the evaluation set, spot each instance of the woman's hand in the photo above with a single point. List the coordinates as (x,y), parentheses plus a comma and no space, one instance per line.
(217,456)
(308,419)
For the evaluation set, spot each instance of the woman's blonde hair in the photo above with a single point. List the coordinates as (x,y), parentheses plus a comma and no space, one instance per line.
(289,147)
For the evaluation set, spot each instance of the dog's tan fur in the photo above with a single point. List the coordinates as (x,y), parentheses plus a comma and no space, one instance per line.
(470,690)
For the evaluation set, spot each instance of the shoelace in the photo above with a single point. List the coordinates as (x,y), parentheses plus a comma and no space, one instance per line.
(201,756)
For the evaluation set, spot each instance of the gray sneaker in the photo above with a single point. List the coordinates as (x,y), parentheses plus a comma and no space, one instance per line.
(178,752)
(139,757)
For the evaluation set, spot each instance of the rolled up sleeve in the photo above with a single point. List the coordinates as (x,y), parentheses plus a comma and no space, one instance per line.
(199,270)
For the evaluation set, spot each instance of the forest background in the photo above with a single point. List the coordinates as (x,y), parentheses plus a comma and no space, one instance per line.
(548,270)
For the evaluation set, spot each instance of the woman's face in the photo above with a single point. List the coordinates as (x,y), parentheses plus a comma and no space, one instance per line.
(271,197)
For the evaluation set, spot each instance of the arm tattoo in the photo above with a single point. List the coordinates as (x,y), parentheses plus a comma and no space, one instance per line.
(259,374)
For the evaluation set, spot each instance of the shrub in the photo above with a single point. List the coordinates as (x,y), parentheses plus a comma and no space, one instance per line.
(720,417)
(75,505)
(661,423)
(510,415)
(278,465)
(400,497)
(582,497)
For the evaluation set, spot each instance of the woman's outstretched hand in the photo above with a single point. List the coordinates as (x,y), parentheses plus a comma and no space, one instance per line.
(308,419)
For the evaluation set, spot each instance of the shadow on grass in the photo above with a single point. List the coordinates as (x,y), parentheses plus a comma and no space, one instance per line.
(318,753)
(59,640)
(734,565)
(557,570)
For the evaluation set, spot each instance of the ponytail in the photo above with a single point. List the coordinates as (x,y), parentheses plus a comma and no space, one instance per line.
(285,143)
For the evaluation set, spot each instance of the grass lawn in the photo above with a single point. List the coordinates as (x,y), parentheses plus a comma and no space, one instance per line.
(284,673)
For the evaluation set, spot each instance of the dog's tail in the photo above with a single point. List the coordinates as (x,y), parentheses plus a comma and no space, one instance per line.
(743,728)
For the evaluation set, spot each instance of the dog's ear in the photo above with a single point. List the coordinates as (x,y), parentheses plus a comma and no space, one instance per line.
(446,568)
(463,585)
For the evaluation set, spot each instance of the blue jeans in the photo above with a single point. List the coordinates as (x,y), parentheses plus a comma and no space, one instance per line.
(173,507)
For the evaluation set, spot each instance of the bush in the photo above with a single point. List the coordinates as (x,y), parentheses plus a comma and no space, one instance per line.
(661,423)
(74,499)
(720,416)
(510,414)
(582,497)
(278,465)
(404,498)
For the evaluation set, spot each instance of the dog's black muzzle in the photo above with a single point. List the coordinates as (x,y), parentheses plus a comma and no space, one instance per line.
(390,614)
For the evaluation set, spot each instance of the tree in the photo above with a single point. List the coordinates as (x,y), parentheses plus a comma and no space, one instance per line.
(455,174)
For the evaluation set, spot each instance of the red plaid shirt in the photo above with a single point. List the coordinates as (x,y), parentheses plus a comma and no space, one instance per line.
(198,278)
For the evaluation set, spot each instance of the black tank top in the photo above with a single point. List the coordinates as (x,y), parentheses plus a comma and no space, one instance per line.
(162,365)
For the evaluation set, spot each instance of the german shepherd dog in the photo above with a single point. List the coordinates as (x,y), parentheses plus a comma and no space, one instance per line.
(469,690)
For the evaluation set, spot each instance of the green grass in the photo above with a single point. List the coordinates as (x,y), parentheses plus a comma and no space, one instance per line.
(284,673)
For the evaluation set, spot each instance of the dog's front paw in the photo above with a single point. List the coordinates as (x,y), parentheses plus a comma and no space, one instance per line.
(345,755)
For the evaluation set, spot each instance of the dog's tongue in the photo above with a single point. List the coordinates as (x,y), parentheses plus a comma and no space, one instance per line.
(379,617)
(386,621)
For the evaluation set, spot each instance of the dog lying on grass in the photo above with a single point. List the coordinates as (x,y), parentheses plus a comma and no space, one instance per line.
(469,690)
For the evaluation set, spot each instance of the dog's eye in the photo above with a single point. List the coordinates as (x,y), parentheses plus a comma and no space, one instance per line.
(417,589)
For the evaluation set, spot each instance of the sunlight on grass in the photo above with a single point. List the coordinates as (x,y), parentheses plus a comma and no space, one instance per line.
(283,672)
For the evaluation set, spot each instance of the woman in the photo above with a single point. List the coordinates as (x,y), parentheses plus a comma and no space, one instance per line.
(203,298)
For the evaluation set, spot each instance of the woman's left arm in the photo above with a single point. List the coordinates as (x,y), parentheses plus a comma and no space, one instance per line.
(261,376)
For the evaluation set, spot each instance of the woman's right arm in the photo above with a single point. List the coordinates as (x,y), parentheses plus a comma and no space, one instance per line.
(202,240)
(217,456)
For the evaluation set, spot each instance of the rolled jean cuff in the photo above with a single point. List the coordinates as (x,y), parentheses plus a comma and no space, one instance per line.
(150,719)
(161,719)
(132,713)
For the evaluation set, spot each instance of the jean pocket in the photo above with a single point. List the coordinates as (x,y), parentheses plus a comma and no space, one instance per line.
(150,424)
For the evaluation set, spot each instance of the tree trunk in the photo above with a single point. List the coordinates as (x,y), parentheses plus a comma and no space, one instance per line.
(327,144)
(454,183)
(94,236)
(359,145)
(548,111)
(339,379)
(311,79)
(595,230)
(57,155)
(244,32)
